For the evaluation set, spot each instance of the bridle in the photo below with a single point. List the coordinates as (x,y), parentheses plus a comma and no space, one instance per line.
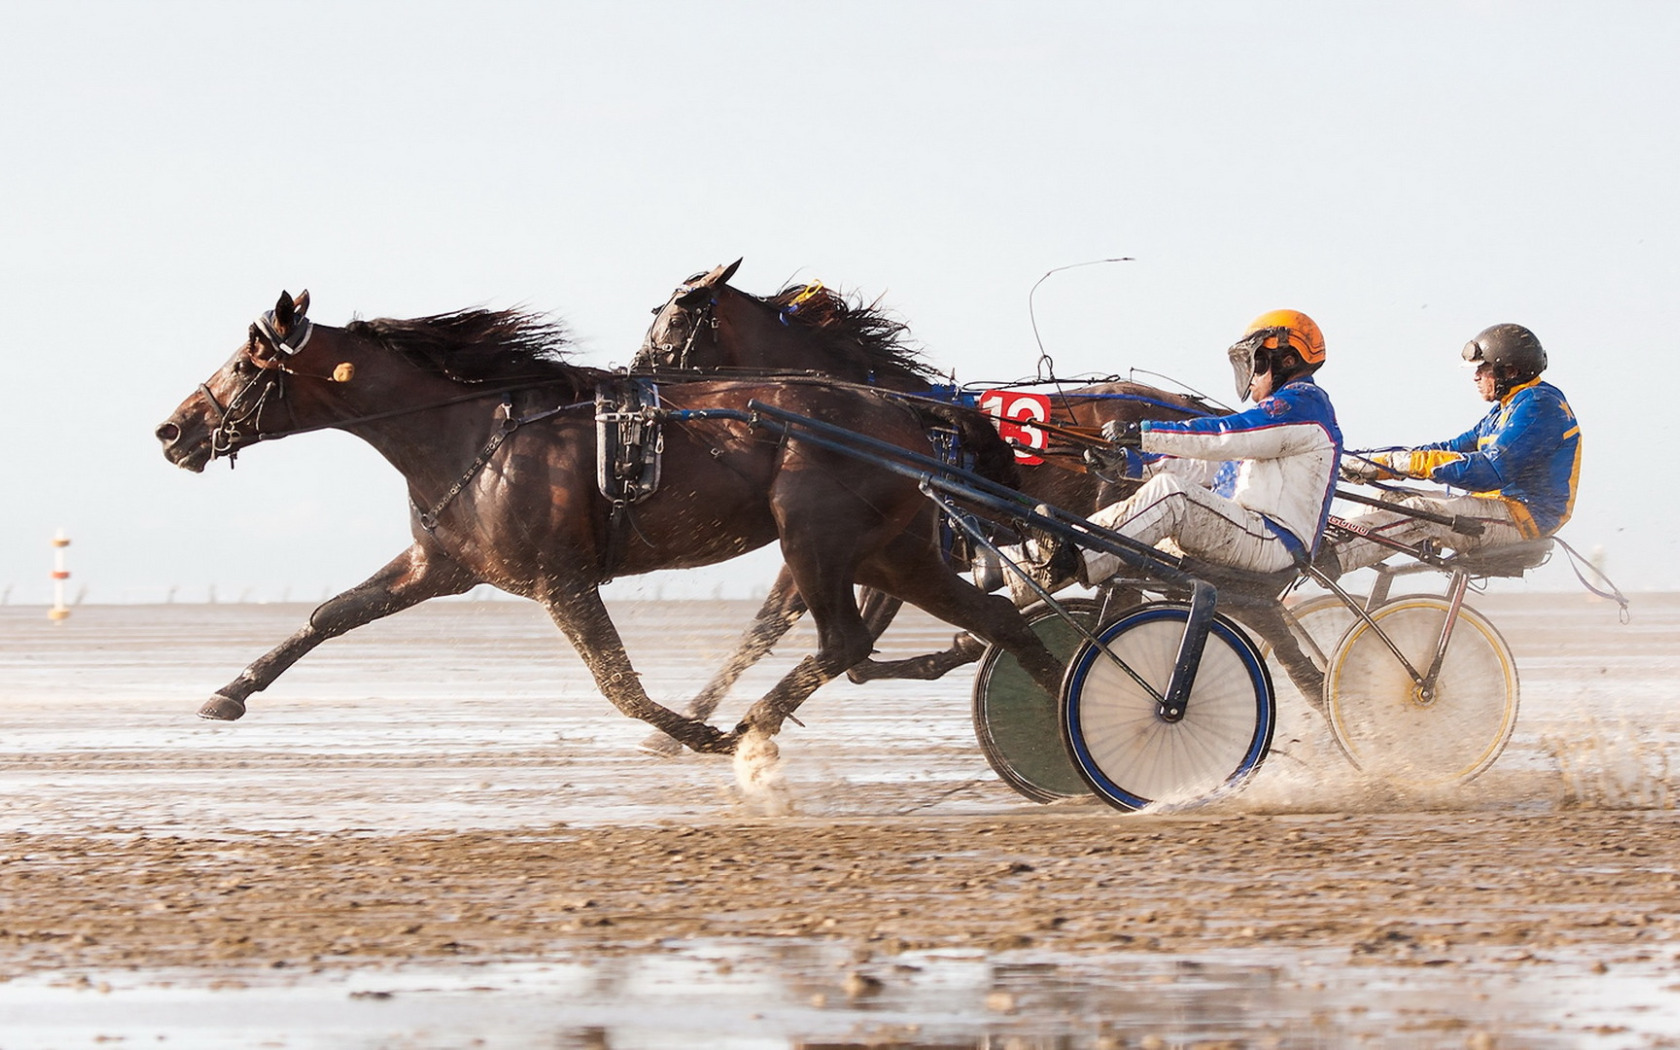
(653,353)
(246,406)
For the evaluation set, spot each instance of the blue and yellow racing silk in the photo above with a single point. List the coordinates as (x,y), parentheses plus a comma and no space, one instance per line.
(1526,451)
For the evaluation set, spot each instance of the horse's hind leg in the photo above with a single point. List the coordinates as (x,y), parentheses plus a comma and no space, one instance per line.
(965,649)
(913,569)
(879,610)
(580,613)
(407,580)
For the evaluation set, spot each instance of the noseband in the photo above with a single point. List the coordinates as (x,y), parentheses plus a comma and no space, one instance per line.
(706,317)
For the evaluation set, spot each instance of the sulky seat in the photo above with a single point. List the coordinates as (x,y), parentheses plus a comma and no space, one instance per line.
(1512,559)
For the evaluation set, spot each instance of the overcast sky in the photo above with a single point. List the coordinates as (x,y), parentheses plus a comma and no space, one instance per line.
(1407,173)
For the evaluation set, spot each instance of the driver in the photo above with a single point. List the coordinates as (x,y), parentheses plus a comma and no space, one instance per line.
(1286,450)
(1521,463)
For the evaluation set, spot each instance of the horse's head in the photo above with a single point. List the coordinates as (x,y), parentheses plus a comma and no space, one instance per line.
(249,398)
(293,375)
(802,328)
(684,330)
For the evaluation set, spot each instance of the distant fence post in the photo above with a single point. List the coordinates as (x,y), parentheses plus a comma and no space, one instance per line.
(59,610)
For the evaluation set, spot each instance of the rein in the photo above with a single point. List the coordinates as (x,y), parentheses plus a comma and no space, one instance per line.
(225,433)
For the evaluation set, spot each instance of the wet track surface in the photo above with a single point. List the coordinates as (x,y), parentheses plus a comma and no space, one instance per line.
(435,831)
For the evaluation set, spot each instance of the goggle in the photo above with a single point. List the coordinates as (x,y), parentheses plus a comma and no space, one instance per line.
(1250,356)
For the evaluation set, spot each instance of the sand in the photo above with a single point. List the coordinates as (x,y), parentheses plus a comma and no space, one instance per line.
(441,803)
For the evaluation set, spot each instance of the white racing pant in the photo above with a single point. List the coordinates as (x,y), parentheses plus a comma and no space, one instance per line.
(1498,528)
(1201,524)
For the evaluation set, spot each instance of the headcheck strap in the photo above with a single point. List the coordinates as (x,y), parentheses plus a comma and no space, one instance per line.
(291,344)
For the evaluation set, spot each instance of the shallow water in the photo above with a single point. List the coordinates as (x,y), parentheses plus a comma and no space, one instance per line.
(474,716)
(775,995)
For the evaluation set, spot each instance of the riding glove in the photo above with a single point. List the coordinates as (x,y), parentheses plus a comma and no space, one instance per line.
(1123,433)
(1379,466)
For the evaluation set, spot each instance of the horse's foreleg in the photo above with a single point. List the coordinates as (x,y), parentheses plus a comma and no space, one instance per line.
(843,640)
(408,579)
(583,617)
(782,608)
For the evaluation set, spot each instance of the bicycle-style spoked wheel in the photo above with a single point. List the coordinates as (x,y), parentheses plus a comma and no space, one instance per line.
(1127,751)
(1325,618)
(1015,719)
(1392,728)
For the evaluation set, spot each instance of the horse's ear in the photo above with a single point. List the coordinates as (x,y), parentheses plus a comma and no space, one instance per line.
(301,305)
(729,271)
(284,311)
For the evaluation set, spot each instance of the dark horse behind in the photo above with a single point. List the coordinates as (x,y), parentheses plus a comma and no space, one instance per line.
(709,327)
(495,434)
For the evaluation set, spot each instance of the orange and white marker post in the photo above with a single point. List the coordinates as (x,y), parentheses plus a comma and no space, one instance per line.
(59,610)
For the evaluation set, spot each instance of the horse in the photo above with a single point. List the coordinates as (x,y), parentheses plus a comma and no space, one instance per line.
(710,327)
(495,433)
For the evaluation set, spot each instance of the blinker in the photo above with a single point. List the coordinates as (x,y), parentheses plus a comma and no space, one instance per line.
(289,344)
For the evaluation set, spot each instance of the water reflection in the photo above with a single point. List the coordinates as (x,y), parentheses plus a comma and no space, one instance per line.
(815,994)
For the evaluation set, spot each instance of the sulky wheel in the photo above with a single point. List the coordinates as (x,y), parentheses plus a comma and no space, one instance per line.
(1325,618)
(1130,754)
(1015,720)
(1392,728)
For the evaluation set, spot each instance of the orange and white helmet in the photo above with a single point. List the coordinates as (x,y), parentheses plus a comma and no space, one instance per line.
(1268,338)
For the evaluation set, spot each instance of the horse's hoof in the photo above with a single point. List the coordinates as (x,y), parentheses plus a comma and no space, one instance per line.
(715,742)
(221,708)
(661,745)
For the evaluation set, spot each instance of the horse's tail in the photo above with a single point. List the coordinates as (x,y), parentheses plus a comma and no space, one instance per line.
(978,439)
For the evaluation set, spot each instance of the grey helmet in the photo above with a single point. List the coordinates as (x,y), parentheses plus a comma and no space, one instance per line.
(1514,352)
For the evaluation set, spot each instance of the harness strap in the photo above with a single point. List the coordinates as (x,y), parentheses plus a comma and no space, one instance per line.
(428,518)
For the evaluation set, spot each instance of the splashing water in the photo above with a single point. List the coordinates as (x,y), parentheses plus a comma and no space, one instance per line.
(1615,767)
(761,777)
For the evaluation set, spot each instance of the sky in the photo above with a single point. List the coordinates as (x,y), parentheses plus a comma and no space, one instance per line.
(1408,174)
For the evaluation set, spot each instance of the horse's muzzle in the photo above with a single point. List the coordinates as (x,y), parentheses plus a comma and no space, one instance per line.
(188,455)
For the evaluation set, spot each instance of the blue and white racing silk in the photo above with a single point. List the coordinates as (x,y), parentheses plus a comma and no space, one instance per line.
(1288,448)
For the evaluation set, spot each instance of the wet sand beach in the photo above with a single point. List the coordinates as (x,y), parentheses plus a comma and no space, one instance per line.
(434,832)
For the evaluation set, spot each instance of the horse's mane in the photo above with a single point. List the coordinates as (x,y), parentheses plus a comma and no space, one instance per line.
(871,340)
(476,345)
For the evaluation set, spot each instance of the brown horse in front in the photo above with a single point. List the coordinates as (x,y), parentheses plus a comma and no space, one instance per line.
(711,327)
(496,438)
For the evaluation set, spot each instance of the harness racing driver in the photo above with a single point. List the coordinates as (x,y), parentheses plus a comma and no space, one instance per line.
(1521,464)
(1286,449)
